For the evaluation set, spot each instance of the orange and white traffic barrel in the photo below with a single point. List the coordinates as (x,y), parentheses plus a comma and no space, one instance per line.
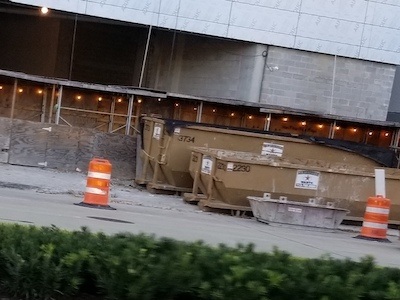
(98,184)
(376,218)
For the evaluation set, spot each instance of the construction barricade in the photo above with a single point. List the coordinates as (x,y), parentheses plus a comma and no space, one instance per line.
(98,184)
(376,219)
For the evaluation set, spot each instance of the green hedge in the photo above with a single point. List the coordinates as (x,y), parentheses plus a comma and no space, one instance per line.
(46,263)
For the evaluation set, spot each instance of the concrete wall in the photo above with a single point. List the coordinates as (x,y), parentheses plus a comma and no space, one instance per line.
(207,67)
(328,84)
(65,148)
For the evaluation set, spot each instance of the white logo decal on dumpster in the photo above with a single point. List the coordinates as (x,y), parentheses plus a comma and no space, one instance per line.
(272,149)
(206,165)
(177,131)
(229,167)
(157,132)
(295,210)
(307,180)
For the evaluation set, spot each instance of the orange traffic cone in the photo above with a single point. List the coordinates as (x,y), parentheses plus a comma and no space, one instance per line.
(98,184)
(376,220)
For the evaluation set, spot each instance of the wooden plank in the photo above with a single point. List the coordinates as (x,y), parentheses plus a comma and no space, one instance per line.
(62,147)
(120,150)
(28,144)
(5,132)
(85,148)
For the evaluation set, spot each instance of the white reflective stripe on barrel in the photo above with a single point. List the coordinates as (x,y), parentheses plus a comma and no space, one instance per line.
(97,191)
(374,225)
(99,175)
(377,210)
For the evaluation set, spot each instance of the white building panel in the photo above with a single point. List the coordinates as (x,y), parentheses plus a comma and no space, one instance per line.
(350,10)
(379,15)
(264,19)
(206,10)
(370,29)
(324,46)
(328,29)
(124,13)
(203,27)
(289,5)
(260,36)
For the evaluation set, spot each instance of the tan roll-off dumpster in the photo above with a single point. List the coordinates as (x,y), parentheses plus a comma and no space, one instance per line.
(166,150)
(228,177)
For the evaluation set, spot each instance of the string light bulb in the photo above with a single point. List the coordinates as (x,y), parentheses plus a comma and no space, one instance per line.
(44,10)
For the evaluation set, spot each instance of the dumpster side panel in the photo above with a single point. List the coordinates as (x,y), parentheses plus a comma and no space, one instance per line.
(174,151)
(347,187)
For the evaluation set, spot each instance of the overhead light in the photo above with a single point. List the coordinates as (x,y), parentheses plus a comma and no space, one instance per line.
(285,119)
(159,99)
(214,110)
(99,99)
(337,127)
(320,126)
(39,91)
(232,114)
(1,87)
(354,129)
(44,10)
(139,101)
(20,90)
(119,100)
(304,123)
(370,133)
(250,117)
(386,133)
(176,104)
(79,97)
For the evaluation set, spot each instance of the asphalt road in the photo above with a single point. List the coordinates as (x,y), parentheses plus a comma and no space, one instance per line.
(188,224)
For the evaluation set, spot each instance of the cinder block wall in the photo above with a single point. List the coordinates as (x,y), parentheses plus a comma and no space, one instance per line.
(65,148)
(325,84)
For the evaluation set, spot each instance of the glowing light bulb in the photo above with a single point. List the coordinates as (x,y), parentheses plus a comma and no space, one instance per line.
(284,119)
(20,90)
(44,10)
(79,97)
(303,123)
(100,99)
(139,101)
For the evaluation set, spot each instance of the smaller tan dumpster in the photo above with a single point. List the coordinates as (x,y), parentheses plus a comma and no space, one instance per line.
(309,214)
(227,178)
(165,152)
